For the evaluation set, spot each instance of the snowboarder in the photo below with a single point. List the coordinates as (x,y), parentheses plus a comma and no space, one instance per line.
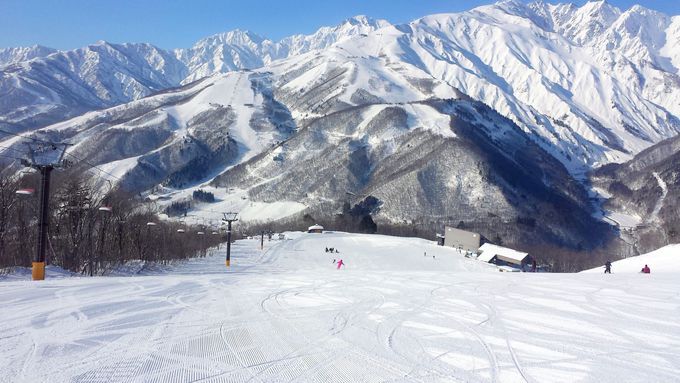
(646,270)
(608,267)
(340,263)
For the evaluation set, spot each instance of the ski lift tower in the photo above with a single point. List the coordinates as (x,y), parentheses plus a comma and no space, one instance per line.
(229,218)
(44,157)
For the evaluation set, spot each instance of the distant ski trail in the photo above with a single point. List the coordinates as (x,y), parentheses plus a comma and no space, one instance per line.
(664,191)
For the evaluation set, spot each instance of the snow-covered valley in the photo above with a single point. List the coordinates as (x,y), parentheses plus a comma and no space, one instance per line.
(401,310)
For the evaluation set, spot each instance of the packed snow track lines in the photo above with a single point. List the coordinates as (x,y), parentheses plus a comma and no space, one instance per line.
(391,314)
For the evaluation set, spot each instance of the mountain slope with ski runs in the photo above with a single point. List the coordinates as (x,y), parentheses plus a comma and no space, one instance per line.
(491,115)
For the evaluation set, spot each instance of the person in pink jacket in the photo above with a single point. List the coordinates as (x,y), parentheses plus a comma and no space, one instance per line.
(340,263)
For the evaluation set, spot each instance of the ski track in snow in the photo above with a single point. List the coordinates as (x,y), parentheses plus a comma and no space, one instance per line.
(286,314)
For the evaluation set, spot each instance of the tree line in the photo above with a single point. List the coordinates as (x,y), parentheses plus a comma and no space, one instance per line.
(91,229)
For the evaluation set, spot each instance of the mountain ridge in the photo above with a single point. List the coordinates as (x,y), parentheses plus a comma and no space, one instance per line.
(435,108)
(65,84)
(526,70)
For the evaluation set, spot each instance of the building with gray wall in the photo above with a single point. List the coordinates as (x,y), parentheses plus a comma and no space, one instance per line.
(461,239)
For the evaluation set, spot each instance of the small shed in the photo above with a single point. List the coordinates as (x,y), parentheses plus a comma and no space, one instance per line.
(315,229)
(503,256)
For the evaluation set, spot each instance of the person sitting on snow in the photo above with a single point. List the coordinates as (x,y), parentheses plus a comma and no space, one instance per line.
(645,270)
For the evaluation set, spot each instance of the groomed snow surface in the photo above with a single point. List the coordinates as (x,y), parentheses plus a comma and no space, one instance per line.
(395,313)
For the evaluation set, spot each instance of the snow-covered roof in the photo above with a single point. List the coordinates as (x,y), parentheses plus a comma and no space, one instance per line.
(315,227)
(490,250)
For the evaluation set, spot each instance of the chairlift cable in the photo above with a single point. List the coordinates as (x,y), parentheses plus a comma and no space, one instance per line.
(52,143)
(6,156)
(13,149)
(92,166)
(65,153)
(26,137)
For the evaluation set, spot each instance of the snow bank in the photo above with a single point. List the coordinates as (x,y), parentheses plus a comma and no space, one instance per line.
(24,273)
(663,260)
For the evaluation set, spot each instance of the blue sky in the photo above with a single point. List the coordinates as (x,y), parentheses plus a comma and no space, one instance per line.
(68,24)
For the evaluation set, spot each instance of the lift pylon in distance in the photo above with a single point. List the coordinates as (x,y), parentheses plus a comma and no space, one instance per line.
(229,218)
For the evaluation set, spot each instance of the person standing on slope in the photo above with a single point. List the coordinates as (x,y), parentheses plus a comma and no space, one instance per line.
(340,263)
(608,267)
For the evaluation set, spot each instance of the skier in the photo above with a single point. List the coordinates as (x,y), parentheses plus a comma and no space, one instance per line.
(327,250)
(533,266)
(646,270)
(340,263)
(608,267)
(334,261)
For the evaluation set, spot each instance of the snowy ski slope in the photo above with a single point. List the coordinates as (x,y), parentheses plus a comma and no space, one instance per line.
(663,260)
(394,314)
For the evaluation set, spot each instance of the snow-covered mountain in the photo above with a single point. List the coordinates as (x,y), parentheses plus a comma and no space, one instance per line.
(226,52)
(327,36)
(312,130)
(238,49)
(643,195)
(508,56)
(594,84)
(639,48)
(36,93)
(44,90)
(18,54)
(479,116)
(511,58)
